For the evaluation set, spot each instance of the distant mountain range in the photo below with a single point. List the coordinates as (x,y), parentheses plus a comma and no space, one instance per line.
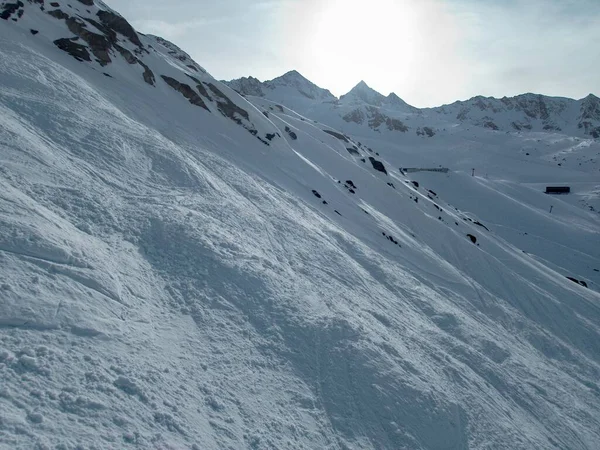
(366,107)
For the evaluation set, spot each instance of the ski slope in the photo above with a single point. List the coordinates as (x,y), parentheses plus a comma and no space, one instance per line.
(170,277)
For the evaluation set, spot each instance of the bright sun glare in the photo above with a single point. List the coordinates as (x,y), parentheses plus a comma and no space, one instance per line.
(358,39)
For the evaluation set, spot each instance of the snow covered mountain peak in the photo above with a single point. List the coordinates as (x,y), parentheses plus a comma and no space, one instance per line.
(293,79)
(363,93)
(395,102)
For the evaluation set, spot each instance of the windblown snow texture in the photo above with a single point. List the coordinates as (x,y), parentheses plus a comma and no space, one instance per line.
(182,267)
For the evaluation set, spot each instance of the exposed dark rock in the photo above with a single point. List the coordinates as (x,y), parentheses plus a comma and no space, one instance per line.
(395,125)
(473,238)
(391,185)
(270,136)
(356,116)
(376,119)
(126,54)
(353,151)
(186,91)
(351,184)
(432,192)
(391,239)
(9,9)
(200,87)
(415,183)
(292,135)
(590,129)
(98,43)
(335,134)
(491,125)
(226,106)
(77,51)
(87,2)
(579,282)
(229,109)
(377,165)
(148,74)
(34,32)
(425,131)
(316,194)
(481,225)
(58,14)
(551,127)
(120,25)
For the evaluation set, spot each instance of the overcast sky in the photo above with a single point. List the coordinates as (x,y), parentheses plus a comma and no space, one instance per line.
(429,52)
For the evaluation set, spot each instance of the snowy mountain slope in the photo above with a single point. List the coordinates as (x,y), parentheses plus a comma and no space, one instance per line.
(168,280)
(513,168)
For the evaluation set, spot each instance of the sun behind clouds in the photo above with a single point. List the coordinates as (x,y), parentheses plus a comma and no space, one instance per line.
(391,44)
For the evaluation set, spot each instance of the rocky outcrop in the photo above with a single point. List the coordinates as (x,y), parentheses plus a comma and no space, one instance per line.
(337,135)
(118,24)
(491,125)
(293,136)
(77,51)
(589,119)
(186,91)
(9,9)
(200,87)
(425,131)
(227,107)
(579,282)
(356,116)
(101,44)
(376,119)
(377,165)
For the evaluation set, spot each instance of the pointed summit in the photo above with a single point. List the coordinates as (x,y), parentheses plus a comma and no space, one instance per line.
(395,102)
(292,75)
(295,80)
(362,93)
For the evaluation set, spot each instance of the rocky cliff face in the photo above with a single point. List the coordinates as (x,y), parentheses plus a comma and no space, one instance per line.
(94,34)
(589,119)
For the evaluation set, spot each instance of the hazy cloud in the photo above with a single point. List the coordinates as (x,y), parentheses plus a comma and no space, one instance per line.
(427,51)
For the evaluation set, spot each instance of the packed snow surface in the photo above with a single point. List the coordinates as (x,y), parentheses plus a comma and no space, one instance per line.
(181,267)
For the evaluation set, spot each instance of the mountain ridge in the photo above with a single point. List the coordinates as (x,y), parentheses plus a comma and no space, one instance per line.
(527,111)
